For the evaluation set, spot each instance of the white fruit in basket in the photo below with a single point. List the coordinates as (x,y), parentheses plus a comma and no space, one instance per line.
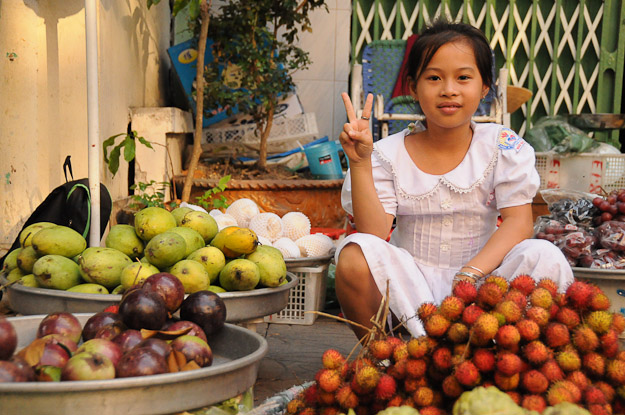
(264,241)
(288,247)
(215,212)
(224,220)
(267,224)
(295,225)
(243,210)
(314,245)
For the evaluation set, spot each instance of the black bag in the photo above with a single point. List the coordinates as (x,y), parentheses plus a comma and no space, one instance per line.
(70,205)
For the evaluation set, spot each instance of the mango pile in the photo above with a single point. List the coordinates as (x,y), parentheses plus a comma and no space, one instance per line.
(183,242)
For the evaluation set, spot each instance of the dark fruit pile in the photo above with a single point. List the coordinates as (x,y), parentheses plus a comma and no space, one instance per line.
(539,346)
(590,233)
(137,338)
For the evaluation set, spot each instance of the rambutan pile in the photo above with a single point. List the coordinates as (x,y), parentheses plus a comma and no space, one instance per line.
(539,346)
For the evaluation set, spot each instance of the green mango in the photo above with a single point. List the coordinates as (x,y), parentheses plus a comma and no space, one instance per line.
(202,222)
(271,265)
(57,272)
(211,258)
(88,288)
(179,213)
(239,275)
(10,262)
(27,258)
(192,238)
(29,281)
(136,273)
(192,275)
(165,249)
(15,274)
(152,221)
(59,240)
(100,265)
(26,235)
(124,238)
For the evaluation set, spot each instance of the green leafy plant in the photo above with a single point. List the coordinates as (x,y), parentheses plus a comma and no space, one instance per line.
(254,57)
(149,194)
(128,144)
(211,200)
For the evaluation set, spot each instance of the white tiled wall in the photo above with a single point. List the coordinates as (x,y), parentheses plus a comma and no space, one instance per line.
(319,87)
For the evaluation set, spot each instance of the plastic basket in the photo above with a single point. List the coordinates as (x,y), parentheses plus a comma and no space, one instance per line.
(584,172)
(301,126)
(308,295)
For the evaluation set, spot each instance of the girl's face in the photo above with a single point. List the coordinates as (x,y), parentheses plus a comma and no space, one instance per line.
(450,88)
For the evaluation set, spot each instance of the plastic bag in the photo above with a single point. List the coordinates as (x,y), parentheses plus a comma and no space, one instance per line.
(557,135)
(570,206)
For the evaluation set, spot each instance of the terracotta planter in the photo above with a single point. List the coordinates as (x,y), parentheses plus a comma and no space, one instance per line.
(320,200)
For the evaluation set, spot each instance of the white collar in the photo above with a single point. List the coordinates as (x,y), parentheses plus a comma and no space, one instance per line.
(413,183)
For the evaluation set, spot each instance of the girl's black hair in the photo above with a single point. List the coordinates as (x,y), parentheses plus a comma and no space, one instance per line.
(440,33)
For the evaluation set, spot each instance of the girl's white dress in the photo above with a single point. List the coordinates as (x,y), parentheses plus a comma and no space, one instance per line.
(442,221)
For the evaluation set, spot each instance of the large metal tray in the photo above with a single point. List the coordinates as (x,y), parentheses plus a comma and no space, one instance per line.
(601,274)
(240,306)
(237,354)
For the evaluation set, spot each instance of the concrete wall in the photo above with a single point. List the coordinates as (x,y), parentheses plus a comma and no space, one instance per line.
(43,105)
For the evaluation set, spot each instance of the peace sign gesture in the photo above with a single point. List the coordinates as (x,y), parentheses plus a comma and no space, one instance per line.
(356,137)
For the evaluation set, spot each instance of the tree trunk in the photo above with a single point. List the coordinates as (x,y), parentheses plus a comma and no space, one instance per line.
(262,157)
(199,108)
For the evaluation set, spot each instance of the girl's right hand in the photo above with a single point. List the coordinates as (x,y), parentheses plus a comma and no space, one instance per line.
(356,137)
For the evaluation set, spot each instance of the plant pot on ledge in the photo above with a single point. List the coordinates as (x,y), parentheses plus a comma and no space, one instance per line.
(320,200)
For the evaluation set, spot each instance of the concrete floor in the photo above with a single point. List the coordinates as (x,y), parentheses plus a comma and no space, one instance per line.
(295,352)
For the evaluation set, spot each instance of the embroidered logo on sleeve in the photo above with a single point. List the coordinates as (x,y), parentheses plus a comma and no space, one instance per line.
(508,140)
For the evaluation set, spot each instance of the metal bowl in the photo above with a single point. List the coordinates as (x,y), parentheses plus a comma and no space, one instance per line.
(237,353)
(240,305)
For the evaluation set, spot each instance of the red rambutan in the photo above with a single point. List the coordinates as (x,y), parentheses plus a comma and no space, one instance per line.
(508,337)
(563,391)
(346,397)
(594,395)
(423,396)
(618,323)
(430,410)
(488,295)
(528,330)
(585,339)
(569,360)
(417,347)
(386,388)
(607,389)
(365,379)
(295,405)
(548,284)
(400,352)
(485,328)
(329,410)
(380,349)
(426,310)
(398,369)
(599,302)
(451,387)
(538,315)
(329,380)
(436,325)
(415,368)
(534,381)
(466,291)
(508,363)
(541,297)
(510,310)
(556,335)
(500,281)
(534,403)
(536,352)
(568,316)
(594,364)
(506,383)
(516,396)
(578,294)
(523,283)
(552,371)
(441,357)
(517,297)
(484,360)
(332,359)
(311,395)
(326,398)
(458,333)
(599,321)
(396,400)
(598,409)
(451,307)
(615,371)
(467,374)
(579,379)
(471,313)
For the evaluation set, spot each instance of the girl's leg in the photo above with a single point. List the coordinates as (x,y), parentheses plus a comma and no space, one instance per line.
(356,289)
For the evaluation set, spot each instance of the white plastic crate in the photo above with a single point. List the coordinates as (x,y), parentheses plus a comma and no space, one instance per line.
(586,172)
(298,127)
(308,295)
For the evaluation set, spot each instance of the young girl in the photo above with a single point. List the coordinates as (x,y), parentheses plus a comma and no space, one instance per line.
(445,182)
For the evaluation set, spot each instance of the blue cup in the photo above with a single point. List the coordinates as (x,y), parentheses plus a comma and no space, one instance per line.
(323,160)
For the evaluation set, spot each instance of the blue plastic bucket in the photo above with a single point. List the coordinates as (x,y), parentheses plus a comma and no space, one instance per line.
(323,160)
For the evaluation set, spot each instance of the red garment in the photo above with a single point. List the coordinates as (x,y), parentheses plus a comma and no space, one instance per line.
(401,87)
